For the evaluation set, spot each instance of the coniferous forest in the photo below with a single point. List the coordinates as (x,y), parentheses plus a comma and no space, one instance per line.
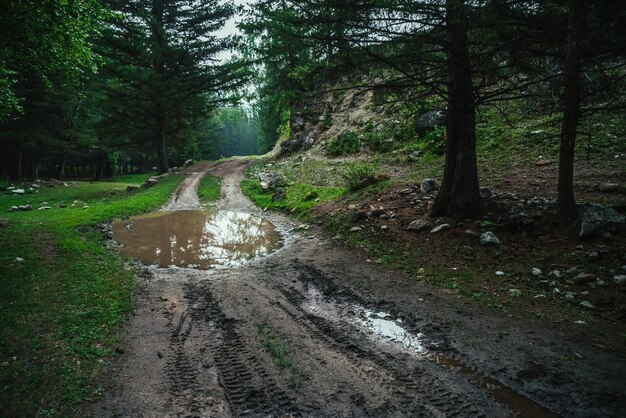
(464,158)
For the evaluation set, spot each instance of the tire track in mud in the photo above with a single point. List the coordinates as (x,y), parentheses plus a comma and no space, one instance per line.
(412,389)
(248,387)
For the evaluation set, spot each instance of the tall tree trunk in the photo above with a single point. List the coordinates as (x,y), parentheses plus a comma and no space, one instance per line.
(459,194)
(60,174)
(571,113)
(159,45)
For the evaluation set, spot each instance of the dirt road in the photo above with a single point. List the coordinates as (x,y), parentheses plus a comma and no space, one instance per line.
(317,330)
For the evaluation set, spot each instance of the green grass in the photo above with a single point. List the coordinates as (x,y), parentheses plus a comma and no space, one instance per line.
(279,350)
(132,178)
(209,189)
(60,307)
(298,196)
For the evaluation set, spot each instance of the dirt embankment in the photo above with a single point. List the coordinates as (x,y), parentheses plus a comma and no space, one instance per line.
(316,330)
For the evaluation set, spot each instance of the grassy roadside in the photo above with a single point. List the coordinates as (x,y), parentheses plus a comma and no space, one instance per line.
(63,294)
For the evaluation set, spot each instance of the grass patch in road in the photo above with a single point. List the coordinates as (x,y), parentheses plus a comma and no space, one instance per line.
(63,294)
(300,198)
(280,351)
(209,189)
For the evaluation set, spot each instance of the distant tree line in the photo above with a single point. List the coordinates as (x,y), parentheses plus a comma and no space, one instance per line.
(93,88)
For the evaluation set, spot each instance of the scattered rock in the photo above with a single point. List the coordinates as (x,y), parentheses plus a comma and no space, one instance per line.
(485,192)
(471,233)
(270,180)
(619,279)
(13,209)
(499,273)
(536,272)
(279,195)
(430,120)
(489,238)
(378,212)
(18,191)
(608,187)
(584,278)
(357,216)
(543,162)
(131,188)
(384,227)
(418,225)
(19,259)
(77,203)
(570,296)
(440,228)
(515,292)
(405,191)
(597,219)
(520,221)
(555,273)
(188,163)
(151,181)
(356,229)
(24,208)
(586,304)
(44,208)
(429,185)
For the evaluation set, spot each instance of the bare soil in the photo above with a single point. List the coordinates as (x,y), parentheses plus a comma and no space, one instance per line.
(285,336)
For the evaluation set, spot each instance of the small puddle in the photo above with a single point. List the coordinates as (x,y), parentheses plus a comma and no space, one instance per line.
(521,405)
(196,239)
(381,327)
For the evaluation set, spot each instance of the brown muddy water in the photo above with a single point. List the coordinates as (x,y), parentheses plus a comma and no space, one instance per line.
(196,239)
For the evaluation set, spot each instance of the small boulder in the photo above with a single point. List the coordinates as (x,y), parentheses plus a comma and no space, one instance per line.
(584,278)
(608,187)
(485,192)
(378,212)
(270,180)
(279,195)
(543,162)
(489,238)
(44,208)
(536,272)
(597,219)
(405,191)
(440,228)
(13,209)
(430,120)
(25,208)
(619,279)
(18,191)
(151,181)
(357,216)
(429,185)
(418,225)
(586,304)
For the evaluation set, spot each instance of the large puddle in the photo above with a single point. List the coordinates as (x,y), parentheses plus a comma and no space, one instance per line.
(196,239)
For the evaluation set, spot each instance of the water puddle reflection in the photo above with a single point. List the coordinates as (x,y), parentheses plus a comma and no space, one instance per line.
(196,239)
(382,328)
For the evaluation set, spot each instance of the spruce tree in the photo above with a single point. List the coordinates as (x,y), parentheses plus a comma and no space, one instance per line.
(162,70)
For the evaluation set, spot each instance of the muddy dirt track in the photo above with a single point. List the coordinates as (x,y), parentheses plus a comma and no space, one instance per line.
(204,343)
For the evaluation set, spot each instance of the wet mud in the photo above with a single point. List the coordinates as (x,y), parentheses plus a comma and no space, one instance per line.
(196,239)
(346,338)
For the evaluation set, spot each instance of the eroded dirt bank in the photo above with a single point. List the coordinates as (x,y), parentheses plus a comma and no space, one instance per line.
(302,333)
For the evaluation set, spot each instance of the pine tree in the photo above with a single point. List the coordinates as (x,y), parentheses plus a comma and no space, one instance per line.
(163,71)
